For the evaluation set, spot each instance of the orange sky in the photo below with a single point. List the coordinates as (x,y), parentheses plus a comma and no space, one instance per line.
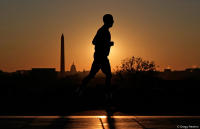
(166,32)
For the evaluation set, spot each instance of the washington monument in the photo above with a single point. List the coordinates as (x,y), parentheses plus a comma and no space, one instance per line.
(62,57)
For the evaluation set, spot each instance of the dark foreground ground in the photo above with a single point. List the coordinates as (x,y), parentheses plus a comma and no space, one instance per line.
(133,94)
(164,98)
(138,102)
(101,121)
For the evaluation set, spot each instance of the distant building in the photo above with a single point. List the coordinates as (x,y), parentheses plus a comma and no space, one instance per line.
(196,70)
(192,70)
(167,70)
(43,69)
(23,72)
(43,73)
(73,68)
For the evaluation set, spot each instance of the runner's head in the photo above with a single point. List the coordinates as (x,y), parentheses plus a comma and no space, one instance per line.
(108,20)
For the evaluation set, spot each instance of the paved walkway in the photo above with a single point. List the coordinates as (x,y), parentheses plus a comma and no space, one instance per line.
(99,122)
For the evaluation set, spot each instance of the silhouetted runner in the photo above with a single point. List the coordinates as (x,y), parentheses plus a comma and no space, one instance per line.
(102,42)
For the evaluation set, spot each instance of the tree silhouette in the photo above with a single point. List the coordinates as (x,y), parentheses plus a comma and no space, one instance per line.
(136,64)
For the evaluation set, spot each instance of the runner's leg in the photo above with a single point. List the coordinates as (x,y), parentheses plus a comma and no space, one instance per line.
(94,69)
(106,69)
